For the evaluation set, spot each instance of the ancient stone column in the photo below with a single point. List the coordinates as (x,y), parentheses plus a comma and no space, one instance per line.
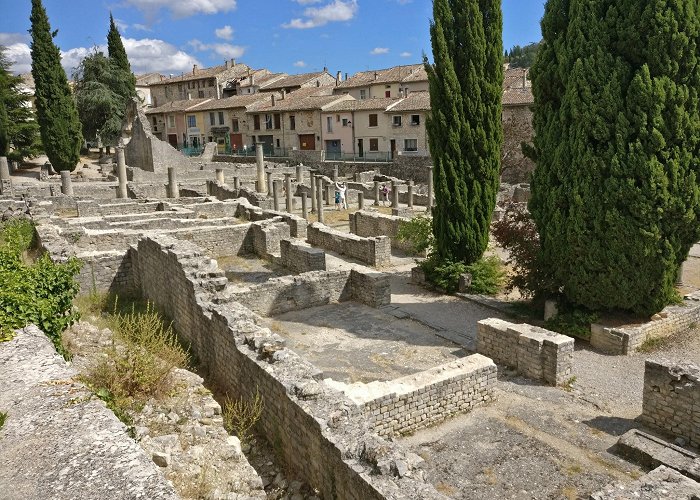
(304,209)
(312,176)
(335,173)
(236,183)
(360,200)
(319,200)
(275,195)
(173,189)
(220,176)
(410,194)
(5,179)
(394,195)
(121,173)
(66,185)
(260,165)
(430,188)
(269,182)
(376,193)
(288,189)
(300,173)
(330,194)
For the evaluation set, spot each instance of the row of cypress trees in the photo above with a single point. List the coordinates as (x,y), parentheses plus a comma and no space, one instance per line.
(57,113)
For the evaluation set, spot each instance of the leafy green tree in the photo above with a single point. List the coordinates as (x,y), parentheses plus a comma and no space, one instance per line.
(55,106)
(464,129)
(18,125)
(101,106)
(522,57)
(117,54)
(617,136)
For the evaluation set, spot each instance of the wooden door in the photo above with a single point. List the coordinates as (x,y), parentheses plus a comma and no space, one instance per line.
(236,142)
(307,142)
(172,140)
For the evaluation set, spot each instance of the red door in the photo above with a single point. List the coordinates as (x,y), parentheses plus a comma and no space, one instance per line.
(236,142)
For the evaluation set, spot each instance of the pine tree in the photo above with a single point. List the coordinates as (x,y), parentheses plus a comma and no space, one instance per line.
(117,54)
(464,129)
(56,111)
(617,142)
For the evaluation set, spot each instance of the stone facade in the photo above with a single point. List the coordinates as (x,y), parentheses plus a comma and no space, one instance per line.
(60,441)
(375,251)
(317,434)
(368,224)
(626,339)
(517,128)
(535,352)
(426,398)
(671,402)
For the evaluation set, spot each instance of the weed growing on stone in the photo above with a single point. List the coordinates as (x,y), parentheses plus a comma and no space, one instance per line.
(568,386)
(3,417)
(242,414)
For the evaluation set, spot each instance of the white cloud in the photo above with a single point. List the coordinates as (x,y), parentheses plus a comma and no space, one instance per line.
(10,38)
(141,27)
(307,2)
(300,64)
(121,25)
(225,33)
(338,10)
(226,50)
(183,8)
(379,50)
(405,54)
(20,57)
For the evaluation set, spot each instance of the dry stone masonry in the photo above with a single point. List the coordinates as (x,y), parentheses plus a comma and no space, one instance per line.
(374,251)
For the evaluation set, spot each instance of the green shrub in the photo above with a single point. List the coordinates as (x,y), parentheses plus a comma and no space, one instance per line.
(488,274)
(39,293)
(241,415)
(575,322)
(418,232)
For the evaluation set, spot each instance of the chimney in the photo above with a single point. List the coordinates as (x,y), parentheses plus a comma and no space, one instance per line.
(226,63)
(233,62)
(376,75)
(338,78)
(325,69)
(251,79)
(194,69)
(346,76)
(273,99)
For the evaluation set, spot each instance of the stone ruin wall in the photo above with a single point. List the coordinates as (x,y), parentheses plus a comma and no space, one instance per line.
(369,224)
(314,427)
(375,251)
(517,128)
(535,352)
(671,400)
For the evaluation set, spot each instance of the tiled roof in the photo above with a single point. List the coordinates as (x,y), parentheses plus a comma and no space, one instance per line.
(518,97)
(513,78)
(261,79)
(240,71)
(175,106)
(298,103)
(363,104)
(397,74)
(236,101)
(293,81)
(147,79)
(416,101)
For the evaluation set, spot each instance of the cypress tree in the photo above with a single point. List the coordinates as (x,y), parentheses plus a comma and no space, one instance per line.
(464,129)
(56,111)
(117,54)
(617,138)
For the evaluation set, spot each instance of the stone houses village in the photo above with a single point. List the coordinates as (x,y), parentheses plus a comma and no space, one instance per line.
(375,115)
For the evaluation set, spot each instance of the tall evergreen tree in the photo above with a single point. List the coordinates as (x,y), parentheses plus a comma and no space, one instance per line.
(56,111)
(615,194)
(117,54)
(464,129)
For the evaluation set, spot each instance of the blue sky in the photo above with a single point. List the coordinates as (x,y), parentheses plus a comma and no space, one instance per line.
(292,36)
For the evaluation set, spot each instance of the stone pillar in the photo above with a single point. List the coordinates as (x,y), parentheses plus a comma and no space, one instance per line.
(275,195)
(66,185)
(376,193)
(173,189)
(44,172)
(220,176)
(288,189)
(13,167)
(312,176)
(430,189)
(236,183)
(679,280)
(410,195)
(300,174)
(121,173)
(260,165)
(5,179)
(360,200)
(269,182)
(319,200)
(394,195)
(304,209)
(335,173)
(330,194)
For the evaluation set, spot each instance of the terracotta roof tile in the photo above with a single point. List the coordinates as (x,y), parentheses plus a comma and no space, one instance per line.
(397,74)
(380,103)
(293,81)
(236,101)
(174,106)
(518,97)
(240,71)
(416,101)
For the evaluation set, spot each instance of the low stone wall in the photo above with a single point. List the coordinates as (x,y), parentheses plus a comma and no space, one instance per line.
(60,441)
(370,288)
(535,352)
(107,272)
(311,426)
(267,236)
(661,483)
(671,401)
(375,251)
(426,398)
(366,224)
(300,258)
(626,339)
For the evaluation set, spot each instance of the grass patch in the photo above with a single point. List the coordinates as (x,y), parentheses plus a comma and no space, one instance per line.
(138,364)
(242,414)
(655,343)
